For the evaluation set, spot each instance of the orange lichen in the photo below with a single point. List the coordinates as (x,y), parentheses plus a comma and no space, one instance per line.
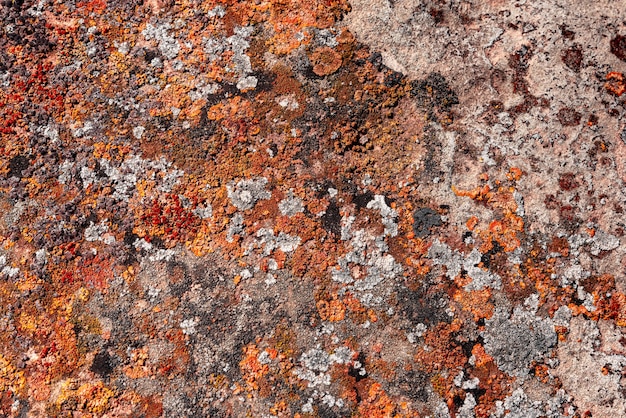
(376,403)
(471,223)
(611,307)
(96,395)
(332,310)
(333,141)
(505,230)
(251,369)
(496,383)
(357,311)
(559,245)
(514,174)
(86,398)
(414,252)
(138,367)
(440,351)
(479,193)
(325,61)
(481,358)
(616,83)
(92,6)
(476,302)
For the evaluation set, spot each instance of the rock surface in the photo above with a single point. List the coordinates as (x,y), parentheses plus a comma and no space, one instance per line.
(324,208)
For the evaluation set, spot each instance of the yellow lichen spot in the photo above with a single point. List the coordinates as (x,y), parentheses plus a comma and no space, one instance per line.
(129,274)
(97,396)
(66,391)
(82,294)
(27,323)
(10,378)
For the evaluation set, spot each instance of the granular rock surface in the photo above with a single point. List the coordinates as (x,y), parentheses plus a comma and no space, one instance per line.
(322,208)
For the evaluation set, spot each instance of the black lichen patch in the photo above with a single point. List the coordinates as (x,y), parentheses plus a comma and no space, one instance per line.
(415,385)
(358,373)
(393,78)
(324,411)
(487,258)
(567,33)
(434,92)
(150,55)
(102,364)
(423,220)
(362,199)
(331,220)
(17,165)
(420,308)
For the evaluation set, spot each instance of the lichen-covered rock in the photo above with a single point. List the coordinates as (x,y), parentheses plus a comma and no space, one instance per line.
(312,208)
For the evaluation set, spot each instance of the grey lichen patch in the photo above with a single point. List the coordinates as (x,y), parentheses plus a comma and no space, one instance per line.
(163,255)
(99,233)
(204,212)
(317,362)
(125,176)
(467,409)
(480,278)
(235,227)
(188,326)
(325,37)
(442,255)
(603,241)
(217,11)
(388,214)
(516,340)
(562,316)
(203,89)
(7,270)
(518,406)
(599,242)
(237,44)
(168,45)
(366,266)
(122,177)
(94,232)
(290,205)
(316,359)
(138,131)
(247,82)
(284,242)
(315,376)
(246,193)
